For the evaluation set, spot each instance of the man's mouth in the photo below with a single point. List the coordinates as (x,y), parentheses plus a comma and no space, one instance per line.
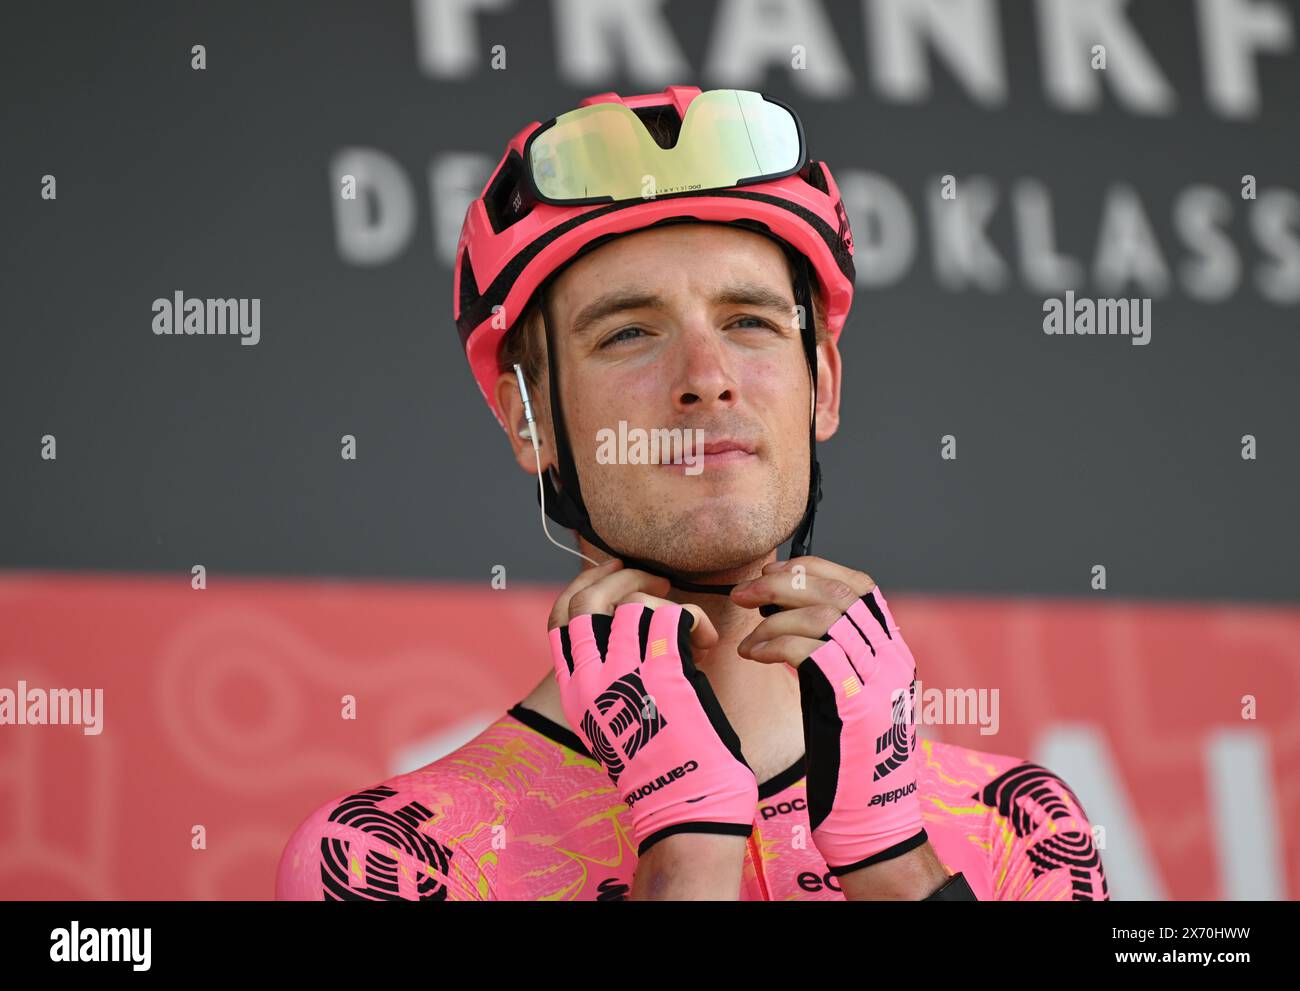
(721,453)
(727,445)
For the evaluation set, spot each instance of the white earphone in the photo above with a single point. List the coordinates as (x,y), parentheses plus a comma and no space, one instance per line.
(530,432)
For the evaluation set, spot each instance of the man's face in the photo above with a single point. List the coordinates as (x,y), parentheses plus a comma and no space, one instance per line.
(690,327)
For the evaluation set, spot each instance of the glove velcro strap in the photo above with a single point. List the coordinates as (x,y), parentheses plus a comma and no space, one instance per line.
(897,850)
(722,828)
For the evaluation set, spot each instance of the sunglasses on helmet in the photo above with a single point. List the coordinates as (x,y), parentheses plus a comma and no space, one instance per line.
(605,152)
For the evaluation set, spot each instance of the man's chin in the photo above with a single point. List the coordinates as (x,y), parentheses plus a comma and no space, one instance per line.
(702,548)
(712,529)
(721,496)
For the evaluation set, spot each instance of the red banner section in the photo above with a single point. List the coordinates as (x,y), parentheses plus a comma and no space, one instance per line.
(158,741)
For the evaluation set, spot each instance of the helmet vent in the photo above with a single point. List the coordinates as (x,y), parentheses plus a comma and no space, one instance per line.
(662,122)
(468,284)
(813,175)
(506,201)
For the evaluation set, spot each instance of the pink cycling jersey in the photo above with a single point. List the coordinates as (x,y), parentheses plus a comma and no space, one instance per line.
(522,812)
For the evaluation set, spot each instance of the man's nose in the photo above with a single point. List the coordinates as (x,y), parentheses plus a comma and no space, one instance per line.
(706,373)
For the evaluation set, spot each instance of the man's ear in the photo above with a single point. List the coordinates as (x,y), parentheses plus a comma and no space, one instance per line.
(511,404)
(828,389)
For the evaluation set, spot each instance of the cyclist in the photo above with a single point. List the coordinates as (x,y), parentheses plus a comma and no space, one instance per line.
(714,722)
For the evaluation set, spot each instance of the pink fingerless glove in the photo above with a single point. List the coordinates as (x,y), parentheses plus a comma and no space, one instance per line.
(630,690)
(858,694)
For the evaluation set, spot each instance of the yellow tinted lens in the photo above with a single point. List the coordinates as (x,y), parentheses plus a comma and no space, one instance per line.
(605,150)
(588,151)
(730,135)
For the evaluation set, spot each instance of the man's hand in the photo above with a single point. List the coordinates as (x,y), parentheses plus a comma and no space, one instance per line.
(857,683)
(630,690)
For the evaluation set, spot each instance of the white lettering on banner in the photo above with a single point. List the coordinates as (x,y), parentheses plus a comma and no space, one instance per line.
(1232,32)
(753,39)
(884,231)
(1245,816)
(901,33)
(1069,28)
(447,42)
(604,39)
(455,181)
(1201,214)
(1127,249)
(1078,754)
(1243,810)
(1274,222)
(1041,267)
(376,226)
(599,42)
(964,253)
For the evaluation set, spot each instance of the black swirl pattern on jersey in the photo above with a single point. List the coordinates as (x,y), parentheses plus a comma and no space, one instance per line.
(399,828)
(612,890)
(1028,795)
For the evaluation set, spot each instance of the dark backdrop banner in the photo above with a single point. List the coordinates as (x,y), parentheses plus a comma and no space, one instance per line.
(994,156)
(1071,451)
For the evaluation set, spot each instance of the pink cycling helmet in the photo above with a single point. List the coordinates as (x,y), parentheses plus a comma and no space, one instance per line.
(512,243)
(508,247)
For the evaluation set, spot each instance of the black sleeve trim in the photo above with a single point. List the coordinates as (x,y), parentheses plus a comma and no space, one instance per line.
(720,828)
(897,850)
(549,728)
(779,783)
(552,730)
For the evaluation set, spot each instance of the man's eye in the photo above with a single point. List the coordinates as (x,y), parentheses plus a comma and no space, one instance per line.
(614,337)
(759,321)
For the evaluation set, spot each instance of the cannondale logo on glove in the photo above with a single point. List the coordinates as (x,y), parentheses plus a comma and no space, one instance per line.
(899,740)
(625,706)
(663,781)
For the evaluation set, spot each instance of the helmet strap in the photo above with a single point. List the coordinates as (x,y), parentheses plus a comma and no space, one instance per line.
(801,543)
